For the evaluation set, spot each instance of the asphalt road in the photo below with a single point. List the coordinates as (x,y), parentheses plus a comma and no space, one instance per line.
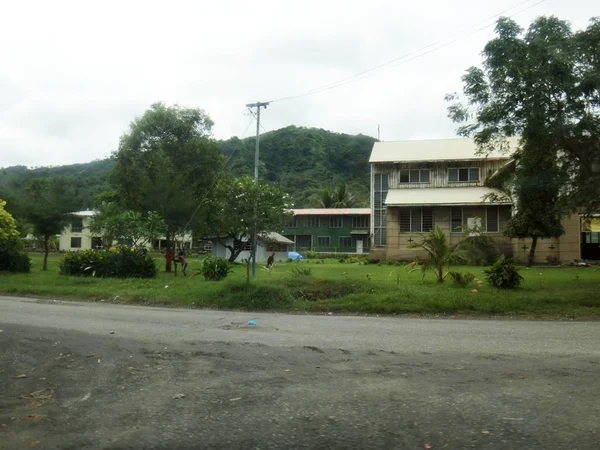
(95,376)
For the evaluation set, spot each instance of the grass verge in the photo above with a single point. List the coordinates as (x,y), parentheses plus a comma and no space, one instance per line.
(332,287)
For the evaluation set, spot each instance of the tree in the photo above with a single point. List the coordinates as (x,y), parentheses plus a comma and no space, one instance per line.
(543,87)
(234,204)
(46,206)
(336,197)
(8,227)
(166,163)
(127,227)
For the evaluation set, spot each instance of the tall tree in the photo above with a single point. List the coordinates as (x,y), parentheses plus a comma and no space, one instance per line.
(234,204)
(542,86)
(167,163)
(46,206)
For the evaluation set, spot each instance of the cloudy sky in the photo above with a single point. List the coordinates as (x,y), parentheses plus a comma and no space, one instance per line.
(73,74)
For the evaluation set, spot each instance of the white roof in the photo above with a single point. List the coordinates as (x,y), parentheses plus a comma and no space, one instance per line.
(440,196)
(331,211)
(87,213)
(276,237)
(434,150)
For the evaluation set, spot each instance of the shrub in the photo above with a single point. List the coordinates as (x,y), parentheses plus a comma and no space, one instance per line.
(553,260)
(11,258)
(461,278)
(255,296)
(215,269)
(120,262)
(304,271)
(503,274)
(310,254)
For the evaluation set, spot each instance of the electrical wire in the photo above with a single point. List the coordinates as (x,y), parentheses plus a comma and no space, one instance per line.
(417,54)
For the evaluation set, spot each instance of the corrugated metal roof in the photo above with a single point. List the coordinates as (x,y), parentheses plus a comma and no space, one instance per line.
(276,237)
(331,211)
(433,150)
(439,196)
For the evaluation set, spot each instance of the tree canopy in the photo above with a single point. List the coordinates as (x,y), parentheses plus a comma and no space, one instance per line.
(8,227)
(166,163)
(233,205)
(542,85)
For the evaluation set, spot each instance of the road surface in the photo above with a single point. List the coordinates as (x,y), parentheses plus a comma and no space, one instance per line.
(96,376)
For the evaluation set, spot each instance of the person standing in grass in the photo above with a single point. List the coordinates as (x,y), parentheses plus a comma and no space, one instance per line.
(183,263)
(270,260)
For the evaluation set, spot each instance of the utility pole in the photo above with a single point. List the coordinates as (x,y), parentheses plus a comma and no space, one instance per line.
(256,105)
(378,134)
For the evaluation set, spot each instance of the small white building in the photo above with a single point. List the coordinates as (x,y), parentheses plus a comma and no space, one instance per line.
(77,234)
(268,244)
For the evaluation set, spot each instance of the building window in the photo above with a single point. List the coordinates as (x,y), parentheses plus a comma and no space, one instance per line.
(345,241)
(315,222)
(75,242)
(245,245)
(380,190)
(492,218)
(464,174)
(456,220)
(293,222)
(336,221)
(76,226)
(360,222)
(323,241)
(414,176)
(415,220)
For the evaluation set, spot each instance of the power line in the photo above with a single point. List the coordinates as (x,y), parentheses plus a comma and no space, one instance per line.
(417,54)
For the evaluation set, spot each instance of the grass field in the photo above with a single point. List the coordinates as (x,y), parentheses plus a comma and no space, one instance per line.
(332,287)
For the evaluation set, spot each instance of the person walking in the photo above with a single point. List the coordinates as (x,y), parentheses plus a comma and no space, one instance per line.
(183,263)
(270,260)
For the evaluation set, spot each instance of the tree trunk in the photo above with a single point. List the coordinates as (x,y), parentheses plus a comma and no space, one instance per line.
(169,248)
(46,251)
(532,251)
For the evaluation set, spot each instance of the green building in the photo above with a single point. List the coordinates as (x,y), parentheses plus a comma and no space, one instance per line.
(330,230)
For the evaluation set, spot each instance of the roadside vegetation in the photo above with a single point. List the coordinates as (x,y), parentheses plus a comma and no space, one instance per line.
(328,285)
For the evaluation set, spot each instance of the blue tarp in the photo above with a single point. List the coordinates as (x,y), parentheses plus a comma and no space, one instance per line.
(295,256)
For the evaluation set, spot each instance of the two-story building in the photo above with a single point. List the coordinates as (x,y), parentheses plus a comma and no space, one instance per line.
(416,185)
(77,235)
(330,230)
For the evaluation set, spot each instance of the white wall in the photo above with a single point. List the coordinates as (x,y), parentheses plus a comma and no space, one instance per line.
(261,252)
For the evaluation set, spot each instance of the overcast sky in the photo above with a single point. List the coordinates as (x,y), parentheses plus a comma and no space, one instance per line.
(74,74)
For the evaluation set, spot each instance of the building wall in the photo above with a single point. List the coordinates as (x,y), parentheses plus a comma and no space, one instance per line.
(304,228)
(261,252)
(85,235)
(438,172)
(397,243)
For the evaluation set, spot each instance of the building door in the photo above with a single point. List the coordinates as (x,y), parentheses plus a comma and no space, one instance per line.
(359,246)
(590,238)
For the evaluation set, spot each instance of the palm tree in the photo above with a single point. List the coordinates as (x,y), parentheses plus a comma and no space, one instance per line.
(441,255)
(337,198)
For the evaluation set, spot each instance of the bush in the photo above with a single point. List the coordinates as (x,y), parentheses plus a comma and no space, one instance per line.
(503,274)
(461,278)
(304,271)
(553,260)
(215,269)
(12,259)
(120,262)
(310,254)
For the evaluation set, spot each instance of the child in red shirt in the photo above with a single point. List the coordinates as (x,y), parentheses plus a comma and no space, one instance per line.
(183,263)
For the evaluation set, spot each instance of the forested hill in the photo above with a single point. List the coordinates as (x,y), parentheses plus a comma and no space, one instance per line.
(301,160)
(305,160)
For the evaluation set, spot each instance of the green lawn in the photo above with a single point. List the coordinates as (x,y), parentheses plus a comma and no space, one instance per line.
(332,287)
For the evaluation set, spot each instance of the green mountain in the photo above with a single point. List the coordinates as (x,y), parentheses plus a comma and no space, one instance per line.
(301,160)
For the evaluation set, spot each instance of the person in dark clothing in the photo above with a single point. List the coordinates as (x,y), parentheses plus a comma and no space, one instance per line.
(271,260)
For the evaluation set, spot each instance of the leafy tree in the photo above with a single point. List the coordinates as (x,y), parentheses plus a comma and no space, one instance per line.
(166,163)
(541,85)
(337,198)
(8,227)
(46,206)
(233,205)
(127,227)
